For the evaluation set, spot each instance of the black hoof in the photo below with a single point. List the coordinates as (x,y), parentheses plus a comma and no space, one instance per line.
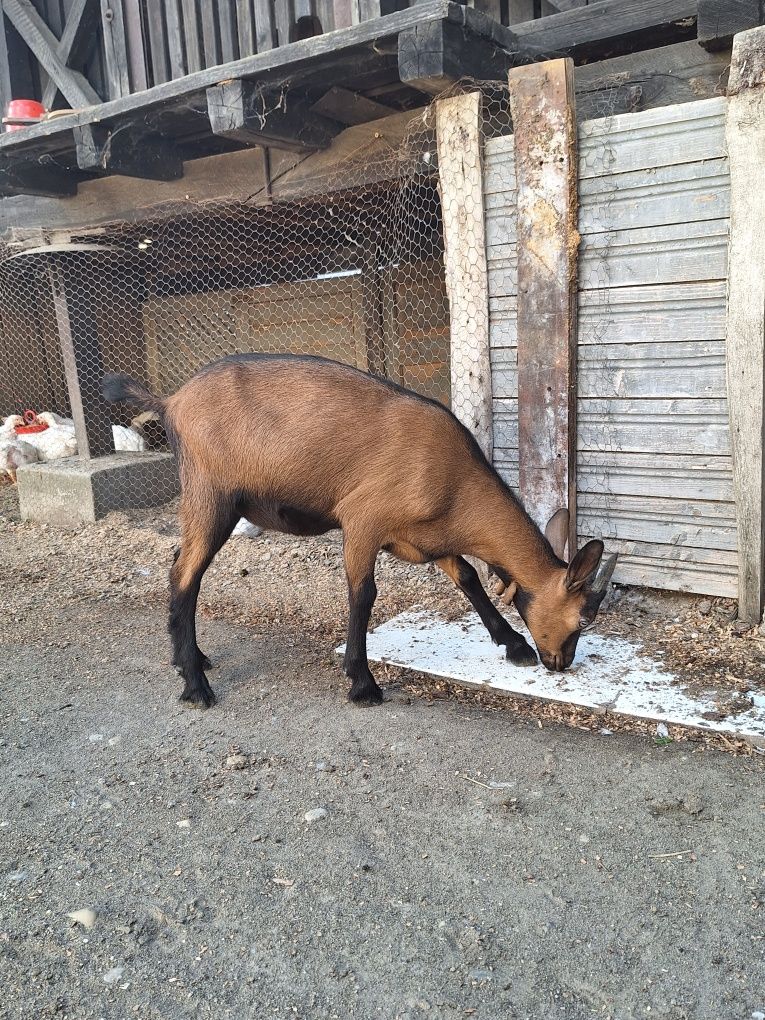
(365,693)
(522,655)
(198,697)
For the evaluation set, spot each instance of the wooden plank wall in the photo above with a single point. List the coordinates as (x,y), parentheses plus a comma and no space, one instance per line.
(654,466)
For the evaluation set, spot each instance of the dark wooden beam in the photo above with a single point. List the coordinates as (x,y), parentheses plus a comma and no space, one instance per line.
(349,107)
(720,20)
(246,112)
(72,284)
(679,73)
(126,152)
(607,28)
(46,180)
(75,88)
(433,55)
(78,38)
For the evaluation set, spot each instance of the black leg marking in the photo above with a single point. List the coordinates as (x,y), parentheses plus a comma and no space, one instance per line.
(518,650)
(206,528)
(364,689)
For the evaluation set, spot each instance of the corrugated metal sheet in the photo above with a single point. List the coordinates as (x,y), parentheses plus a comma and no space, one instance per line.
(654,468)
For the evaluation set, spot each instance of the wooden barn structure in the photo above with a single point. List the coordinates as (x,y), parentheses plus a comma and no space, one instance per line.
(549,214)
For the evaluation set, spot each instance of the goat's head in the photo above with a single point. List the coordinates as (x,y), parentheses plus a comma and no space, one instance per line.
(567,602)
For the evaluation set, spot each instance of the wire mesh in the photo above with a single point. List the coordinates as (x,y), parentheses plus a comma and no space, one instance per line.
(349,266)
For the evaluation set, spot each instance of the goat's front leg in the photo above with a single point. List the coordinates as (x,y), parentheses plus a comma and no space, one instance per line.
(362,592)
(517,648)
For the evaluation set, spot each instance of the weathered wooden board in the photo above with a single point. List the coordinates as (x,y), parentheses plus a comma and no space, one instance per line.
(677,253)
(746,310)
(693,369)
(666,313)
(681,475)
(684,193)
(653,138)
(460,163)
(653,433)
(542,104)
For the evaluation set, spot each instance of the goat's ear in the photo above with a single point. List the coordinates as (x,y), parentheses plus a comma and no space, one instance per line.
(556,531)
(584,566)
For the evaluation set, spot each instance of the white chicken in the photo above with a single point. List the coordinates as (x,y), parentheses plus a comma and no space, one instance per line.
(59,441)
(15,453)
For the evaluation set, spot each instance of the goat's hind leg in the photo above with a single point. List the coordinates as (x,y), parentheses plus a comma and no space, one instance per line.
(204,661)
(205,524)
(517,648)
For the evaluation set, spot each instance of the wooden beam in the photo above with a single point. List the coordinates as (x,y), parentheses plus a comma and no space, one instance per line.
(40,179)
(433,55)
(349,107)
(75,88)
(459,140)
(608,27)
(720,20)
(542,105)
(78,38)
(745,347)
(679,73)
(247,112)
(126,152)
(81,352)
(136,45)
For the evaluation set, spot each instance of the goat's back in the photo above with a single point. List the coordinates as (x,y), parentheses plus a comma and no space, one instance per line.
(311,431)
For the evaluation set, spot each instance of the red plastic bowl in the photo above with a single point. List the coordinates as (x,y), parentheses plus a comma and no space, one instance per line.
(21,112)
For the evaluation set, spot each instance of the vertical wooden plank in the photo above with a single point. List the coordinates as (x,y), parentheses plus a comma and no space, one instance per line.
(6,93)
(544,124)
(284,18)
(346,13)
(459,139)
(115,47)
(136,48)
(745,134)
(210,37)
(155,22)
(245,27)
(83,363)
(373,357)
(175,41)
(229,39)
(265,26)
(194,61)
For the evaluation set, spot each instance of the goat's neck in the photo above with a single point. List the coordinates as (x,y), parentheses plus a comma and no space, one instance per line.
(501,534)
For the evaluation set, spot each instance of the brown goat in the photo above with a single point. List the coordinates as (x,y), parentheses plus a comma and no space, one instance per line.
(304,445)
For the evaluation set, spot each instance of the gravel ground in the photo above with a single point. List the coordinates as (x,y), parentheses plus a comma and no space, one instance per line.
(476,858)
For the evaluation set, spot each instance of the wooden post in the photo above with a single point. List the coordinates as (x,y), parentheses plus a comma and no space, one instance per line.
(745,133)
(544,125)
(458,134)
(81,352)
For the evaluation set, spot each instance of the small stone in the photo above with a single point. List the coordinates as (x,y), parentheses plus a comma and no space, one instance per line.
(315,814)
(661,730)
(113,975)
(85,917)
(704,607)
(237,761)
(184,823)
(740,627)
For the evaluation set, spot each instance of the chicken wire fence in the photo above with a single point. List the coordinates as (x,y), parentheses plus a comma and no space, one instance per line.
(349,266)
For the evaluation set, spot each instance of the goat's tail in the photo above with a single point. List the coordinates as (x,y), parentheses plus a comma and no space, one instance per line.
(121,389)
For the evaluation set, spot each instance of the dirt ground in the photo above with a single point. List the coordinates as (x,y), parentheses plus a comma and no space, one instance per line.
(467,855)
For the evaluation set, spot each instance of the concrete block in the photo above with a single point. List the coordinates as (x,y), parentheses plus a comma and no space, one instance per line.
(70,492)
